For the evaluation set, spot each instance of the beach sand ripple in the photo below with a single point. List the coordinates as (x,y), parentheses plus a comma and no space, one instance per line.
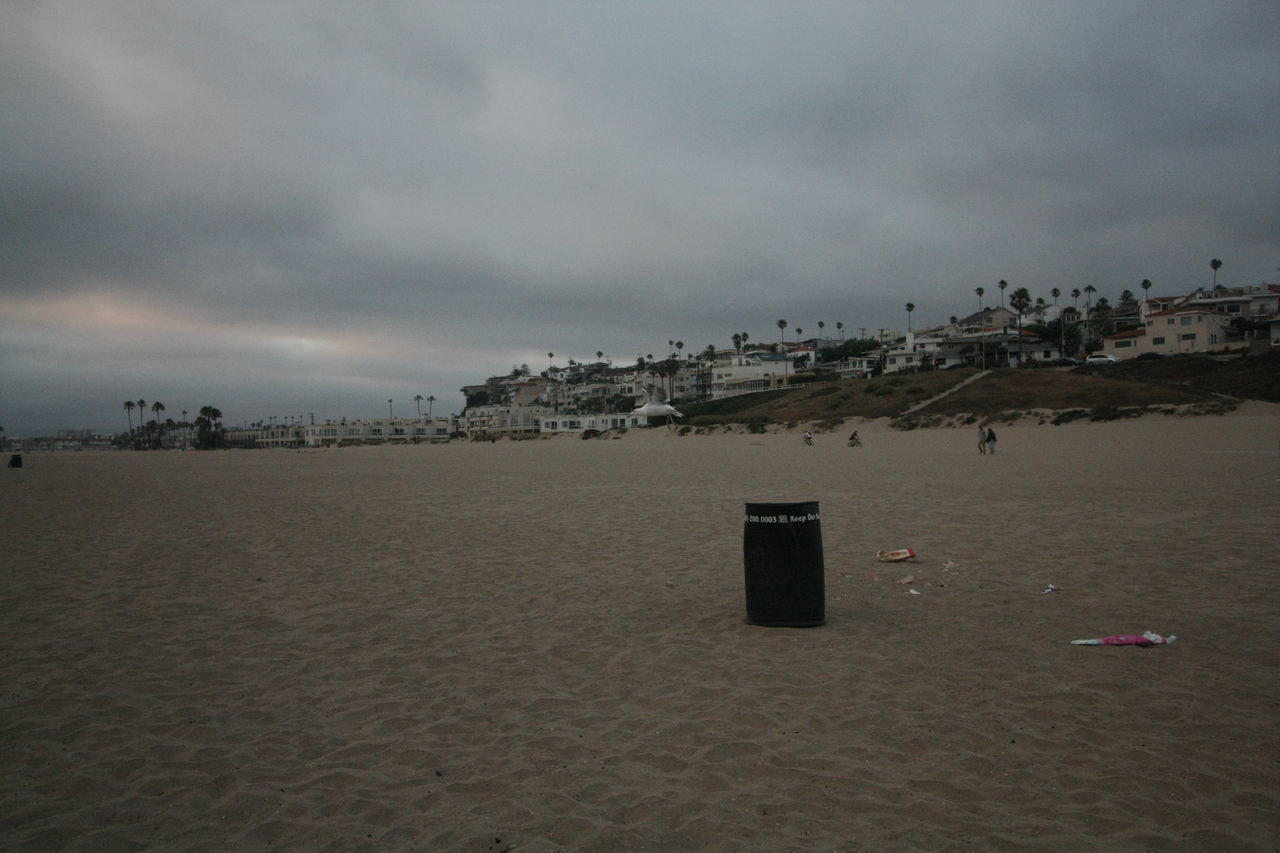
(543,646)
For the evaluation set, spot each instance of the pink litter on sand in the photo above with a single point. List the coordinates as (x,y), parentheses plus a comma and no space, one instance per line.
(1147,638)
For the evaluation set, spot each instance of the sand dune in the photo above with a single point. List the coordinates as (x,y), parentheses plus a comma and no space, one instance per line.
(542,645)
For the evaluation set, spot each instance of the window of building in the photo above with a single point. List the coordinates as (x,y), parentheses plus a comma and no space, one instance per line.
(1157,341)
(1123,344)
(1186,321)
(1190,337)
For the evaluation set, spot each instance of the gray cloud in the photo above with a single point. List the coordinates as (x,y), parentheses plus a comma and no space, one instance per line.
(293,207)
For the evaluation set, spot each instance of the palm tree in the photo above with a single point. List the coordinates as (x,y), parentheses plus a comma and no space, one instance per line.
(129,406)
(840,329)
(417,398)
(1075,298)
(782,326)
(1146,287)
(745,338)
(430,400)
(390,414)
(142,413)
(1216,265)
(158,407)
(737,341)
(680,347)
(1062,337)
(1002,285)
(1020,301)
(979,291)
(207,427)
(1089,290)
(799,332)
(910,307)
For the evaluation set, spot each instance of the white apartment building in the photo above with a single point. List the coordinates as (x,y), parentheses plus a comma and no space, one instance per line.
(553,423)
(377,431)
(753,371)
(1173,332)
(503,420)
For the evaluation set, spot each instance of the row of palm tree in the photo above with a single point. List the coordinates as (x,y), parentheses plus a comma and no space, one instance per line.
(418,398)
(150,434)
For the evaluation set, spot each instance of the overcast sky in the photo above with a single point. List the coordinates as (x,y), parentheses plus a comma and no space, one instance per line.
(289,208)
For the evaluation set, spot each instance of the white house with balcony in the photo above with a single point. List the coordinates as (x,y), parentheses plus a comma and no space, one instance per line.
(747,372)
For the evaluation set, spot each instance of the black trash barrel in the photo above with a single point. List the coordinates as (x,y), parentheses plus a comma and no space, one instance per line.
(782,557)
(15,461)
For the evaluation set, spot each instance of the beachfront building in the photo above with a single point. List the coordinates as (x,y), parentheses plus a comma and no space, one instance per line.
(377,431)
(985,348)
(553,424)
(509,421)
(1175,332)
(854,367)
(276,436)
(743,373)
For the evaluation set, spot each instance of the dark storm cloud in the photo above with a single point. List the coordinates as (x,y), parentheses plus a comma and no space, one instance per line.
(316,207)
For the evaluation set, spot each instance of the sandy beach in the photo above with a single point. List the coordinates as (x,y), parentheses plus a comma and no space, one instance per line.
(542,645)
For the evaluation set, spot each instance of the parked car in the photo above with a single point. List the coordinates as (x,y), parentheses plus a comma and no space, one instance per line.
(1066,361)
(1148,356)
(1102,358)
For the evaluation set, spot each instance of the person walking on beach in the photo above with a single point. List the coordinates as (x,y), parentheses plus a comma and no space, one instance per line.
(854,441)
(991,442)
(982,440)
(808,437)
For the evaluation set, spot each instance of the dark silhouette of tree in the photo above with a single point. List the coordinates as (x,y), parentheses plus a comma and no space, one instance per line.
(979,291)
(910,307)
(129,406)
(158,407)
(1146,288)
(1215,265)
(209,432)
(1020,301)
(1002,285)
(1061,325)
